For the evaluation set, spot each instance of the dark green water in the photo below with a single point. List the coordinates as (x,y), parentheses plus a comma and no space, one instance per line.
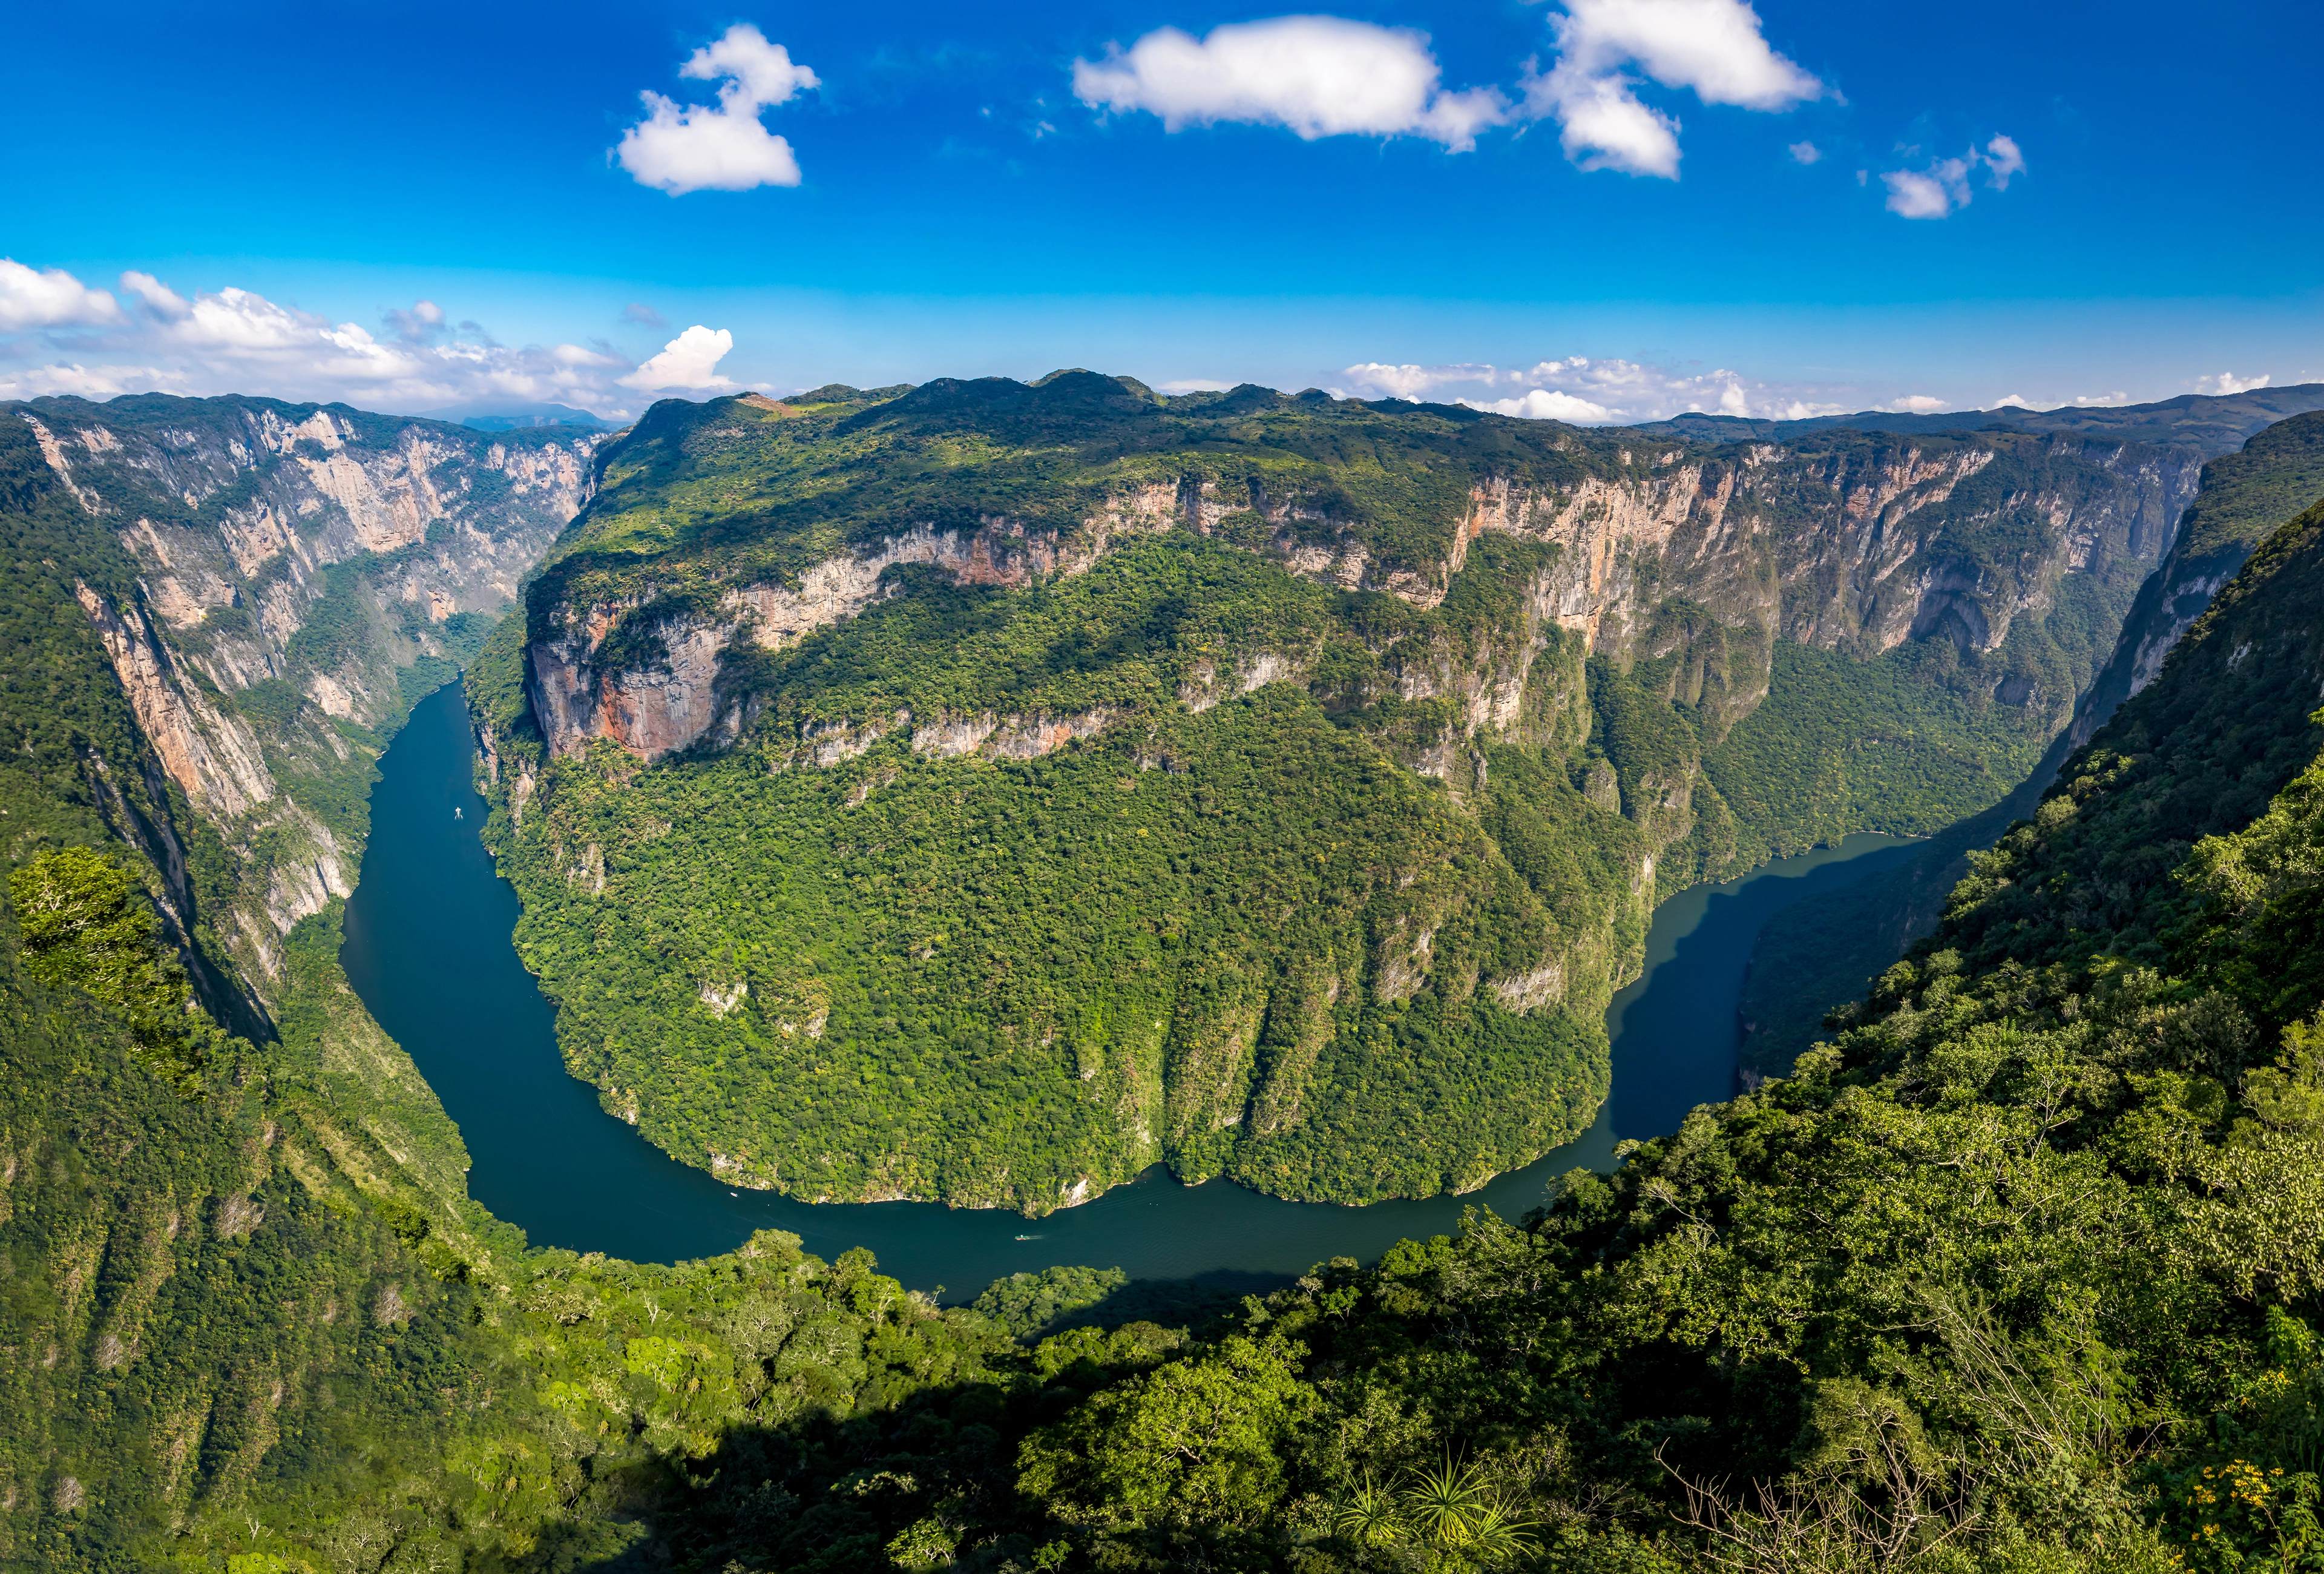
(427,949)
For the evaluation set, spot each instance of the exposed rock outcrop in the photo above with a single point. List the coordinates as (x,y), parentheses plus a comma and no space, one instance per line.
(1859,548)
(316,551)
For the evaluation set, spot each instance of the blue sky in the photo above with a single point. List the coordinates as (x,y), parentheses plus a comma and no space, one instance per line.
(1324,212)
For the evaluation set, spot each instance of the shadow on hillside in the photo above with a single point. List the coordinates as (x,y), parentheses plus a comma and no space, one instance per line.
(1193,1304)
(834,1489)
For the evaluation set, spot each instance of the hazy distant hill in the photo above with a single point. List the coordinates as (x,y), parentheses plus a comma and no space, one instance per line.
(506,416)
(2216,423)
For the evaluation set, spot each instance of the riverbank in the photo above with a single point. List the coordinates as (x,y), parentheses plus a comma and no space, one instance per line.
(427,949)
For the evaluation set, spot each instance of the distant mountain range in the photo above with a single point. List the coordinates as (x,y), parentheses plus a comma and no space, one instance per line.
(494,416)
(2219,422)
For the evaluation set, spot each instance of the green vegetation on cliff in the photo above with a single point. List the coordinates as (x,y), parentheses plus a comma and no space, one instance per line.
(1815,955)
(1038,781)
(1011,982)
(2019,1275)
(2248,494)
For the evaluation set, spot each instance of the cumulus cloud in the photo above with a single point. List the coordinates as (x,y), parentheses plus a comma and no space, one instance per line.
(1917,404)
(1930,193)
(1806,153)
(420,325)
(235,341)
(1549,404)
(1313,75)
(2100,401)
(2002,160)
(724,147)
(2012,401)
(157,297)
(2228,382)
(689,361)
(1587,391)
(1712,47)
(54,299)
(1943,187)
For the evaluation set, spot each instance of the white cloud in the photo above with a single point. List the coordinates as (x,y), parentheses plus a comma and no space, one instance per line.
(688,361)
(1918,404)
(1383,381)
(756,72)
(159,298)
(1585,391)
(1806,153)
(98,383)
(422,323)
(233,340)
(1315,75)
(1943,187)
(1928,194)
(54,299)
(2002,160)
(2228,382)
(1547,405)
(2012,401)
(2099,401)
(1606,126)
(1712,47)
(697,147)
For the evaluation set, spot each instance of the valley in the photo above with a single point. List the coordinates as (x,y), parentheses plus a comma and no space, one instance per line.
(983,792)
(428,951)
(771,743)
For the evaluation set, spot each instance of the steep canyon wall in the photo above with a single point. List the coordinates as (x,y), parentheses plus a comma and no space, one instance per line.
(1625,663)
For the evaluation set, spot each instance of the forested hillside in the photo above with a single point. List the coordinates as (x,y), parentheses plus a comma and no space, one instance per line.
(2020,1272)
(1815,955)
(982,791)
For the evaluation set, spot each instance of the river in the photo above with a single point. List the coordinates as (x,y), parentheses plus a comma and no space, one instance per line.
(429,951)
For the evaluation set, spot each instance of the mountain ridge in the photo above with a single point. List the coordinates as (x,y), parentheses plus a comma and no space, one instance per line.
(257,1332)
(785,613)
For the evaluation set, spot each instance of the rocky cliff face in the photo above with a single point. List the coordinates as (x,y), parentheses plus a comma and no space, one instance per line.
(827,657)
(2244,497)
(286,565)
(1857,546)
(1816,954)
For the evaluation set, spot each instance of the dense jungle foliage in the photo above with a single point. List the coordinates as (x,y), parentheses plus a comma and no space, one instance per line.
(1323,888)
(1019,979)
(2248,494)
(1811,955)
(2022,1272)
(250,1320)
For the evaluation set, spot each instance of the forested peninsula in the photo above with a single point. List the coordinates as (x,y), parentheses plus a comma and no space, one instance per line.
(2017,1271)
(982,791)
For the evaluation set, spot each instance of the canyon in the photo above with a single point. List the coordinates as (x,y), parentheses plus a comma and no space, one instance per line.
(1628,662)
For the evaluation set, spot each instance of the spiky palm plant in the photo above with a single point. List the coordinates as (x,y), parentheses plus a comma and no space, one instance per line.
(1445,1499)
(1493,1536)
(1369,1515)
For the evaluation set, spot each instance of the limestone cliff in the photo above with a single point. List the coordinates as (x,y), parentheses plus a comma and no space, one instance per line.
(2244,497)
(284,571)
(1713,554)
(1274,786)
